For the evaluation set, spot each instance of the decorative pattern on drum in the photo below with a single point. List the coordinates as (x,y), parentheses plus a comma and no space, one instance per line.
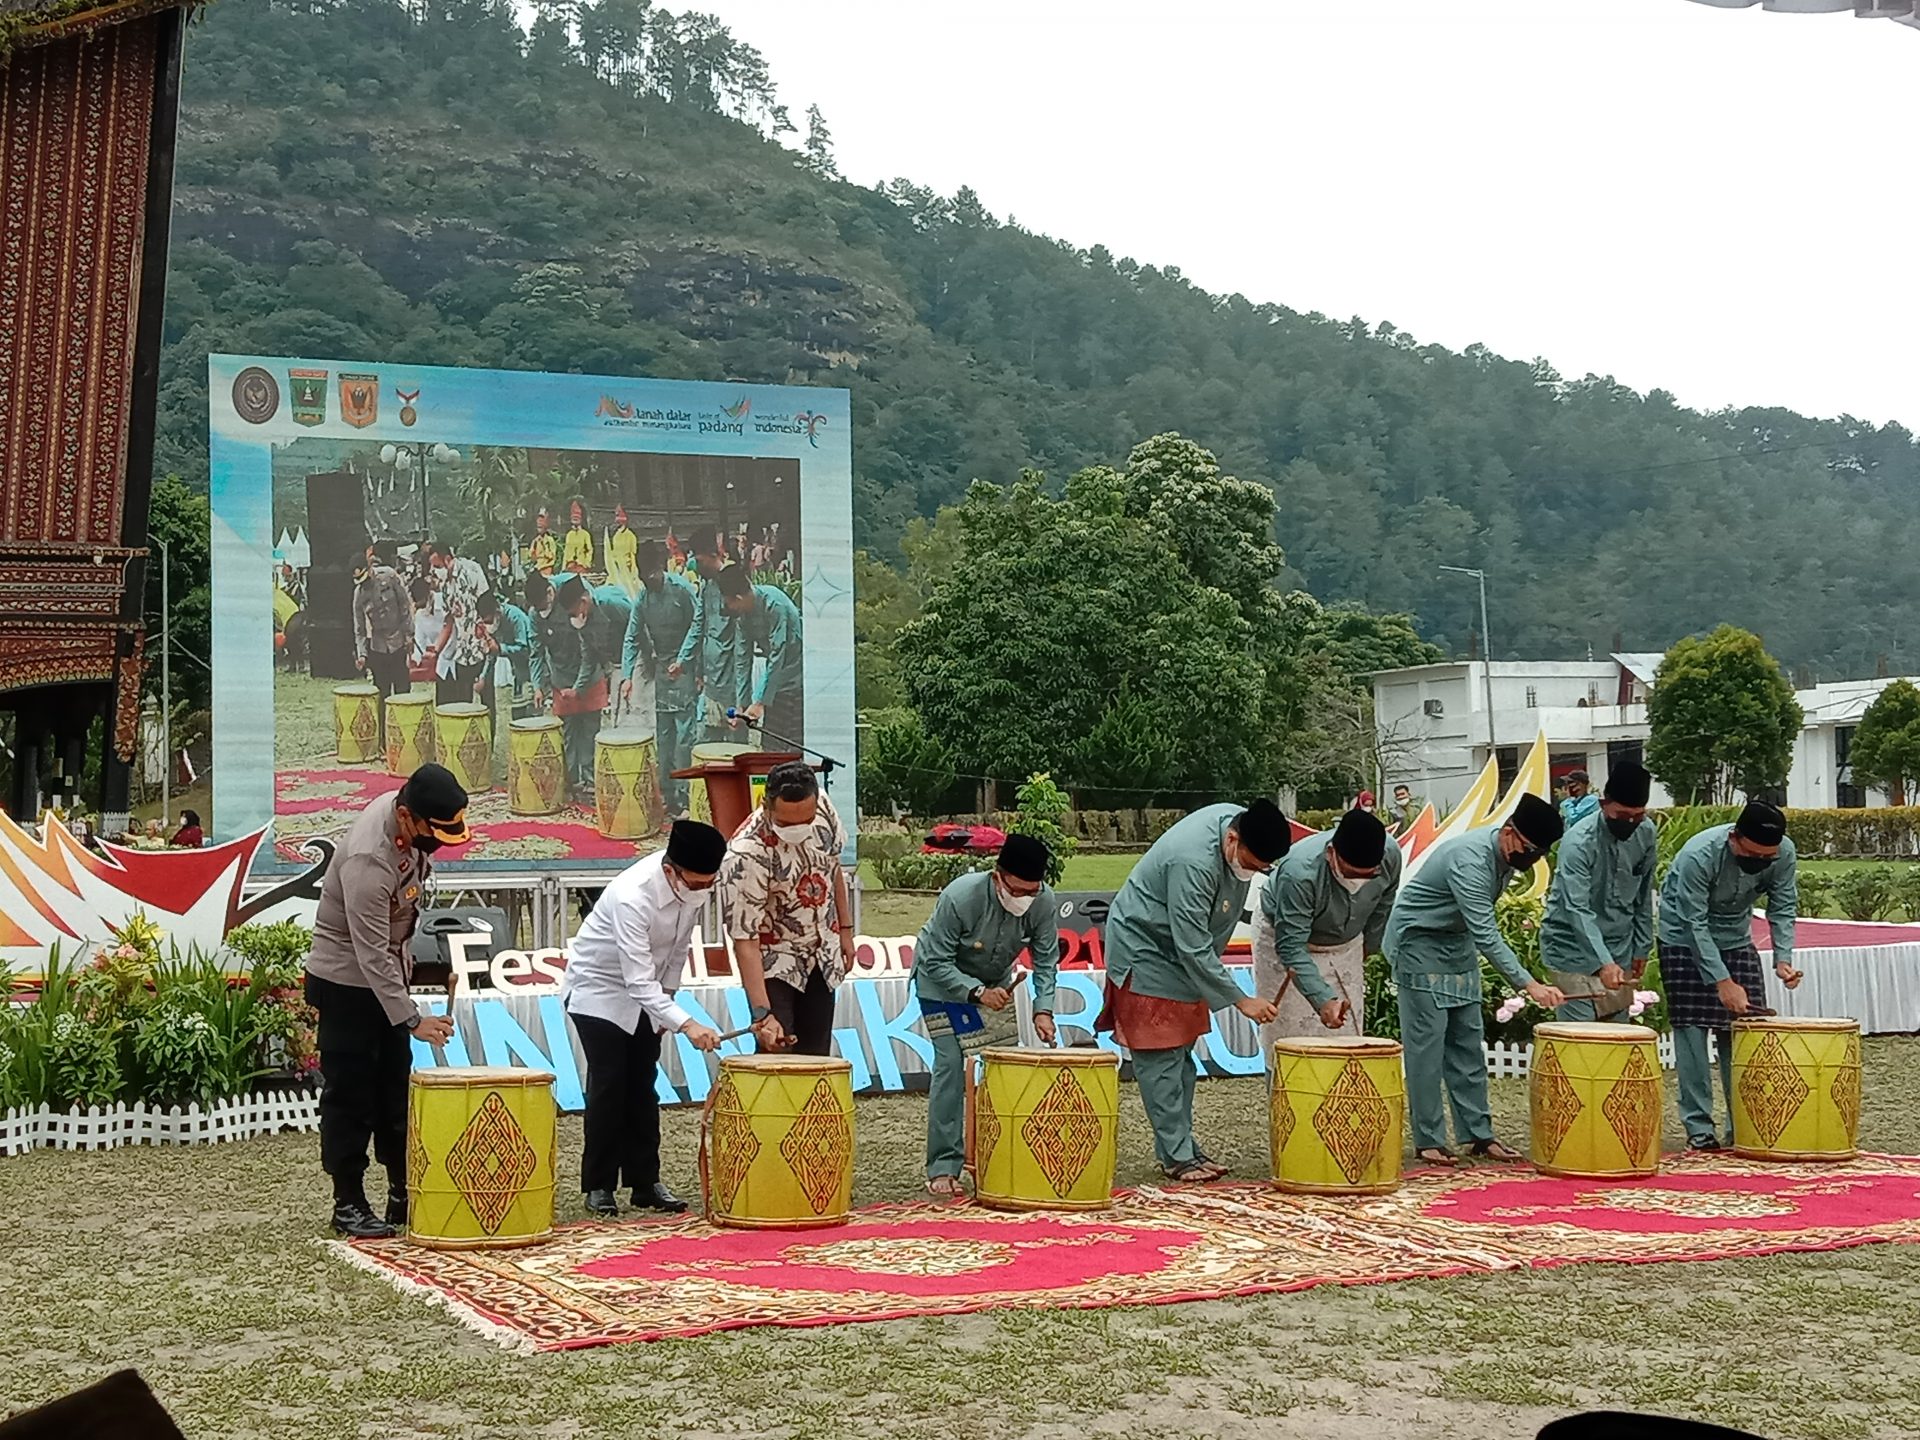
(1063,1131)
(1846,1086)
(626,785)
(356,724)
(1556,1104)
(465,744)
(409,733)
(1772,1090)
(536,767)
(986,1125)
(1632,1106)
(419,1159)
(817,1145)
(1353,1121)
(1279,1111)
(735,1146)
(491,1162)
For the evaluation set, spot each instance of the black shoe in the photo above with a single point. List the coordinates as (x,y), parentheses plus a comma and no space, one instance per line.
(602,1203)
(397,1210)
(1705,1142)
(354,1221)
(657,1197)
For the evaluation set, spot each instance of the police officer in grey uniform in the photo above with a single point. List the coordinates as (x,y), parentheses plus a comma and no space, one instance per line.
(357,975)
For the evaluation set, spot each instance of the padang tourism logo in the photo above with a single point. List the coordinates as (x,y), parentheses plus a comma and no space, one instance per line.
(805,423)
(730,420)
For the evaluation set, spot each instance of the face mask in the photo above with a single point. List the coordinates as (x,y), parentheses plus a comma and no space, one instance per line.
(1753,864)
(1525,859)
(793,834)
(579,622)
(1353,884)
(1622,829)
(1013,904)
(1241,872)
(545,610)
(426,844)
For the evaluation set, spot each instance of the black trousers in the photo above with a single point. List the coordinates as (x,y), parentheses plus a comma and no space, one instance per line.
(807,1014)
(365,1063)
(623,1109)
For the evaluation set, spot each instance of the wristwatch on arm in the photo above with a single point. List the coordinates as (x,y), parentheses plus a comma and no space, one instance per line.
(973,995)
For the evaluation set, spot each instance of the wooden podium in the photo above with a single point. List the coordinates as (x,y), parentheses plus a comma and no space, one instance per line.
(730,784)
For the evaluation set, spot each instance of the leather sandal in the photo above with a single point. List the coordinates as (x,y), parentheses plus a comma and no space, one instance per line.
(1436,1155)
(1493,1150)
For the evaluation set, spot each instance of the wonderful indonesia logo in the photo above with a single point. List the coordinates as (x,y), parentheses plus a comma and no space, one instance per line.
(806,423)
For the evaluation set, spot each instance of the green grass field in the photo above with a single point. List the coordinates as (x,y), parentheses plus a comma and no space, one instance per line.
(199,1267)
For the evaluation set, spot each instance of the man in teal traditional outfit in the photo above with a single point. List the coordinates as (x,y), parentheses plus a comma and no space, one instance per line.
(583,661)
(1441,925)
(1707,956)
(1164,938)
(662,620)
(1326,904)
(772,624)
(1598,928)
(712,650)
(963,964)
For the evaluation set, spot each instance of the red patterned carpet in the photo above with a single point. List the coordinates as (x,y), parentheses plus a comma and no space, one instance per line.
(600,1284)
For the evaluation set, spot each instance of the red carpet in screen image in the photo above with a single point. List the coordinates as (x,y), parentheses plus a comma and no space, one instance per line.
(600,1284)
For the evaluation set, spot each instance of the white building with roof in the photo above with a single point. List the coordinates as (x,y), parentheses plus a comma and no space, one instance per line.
(1434,728)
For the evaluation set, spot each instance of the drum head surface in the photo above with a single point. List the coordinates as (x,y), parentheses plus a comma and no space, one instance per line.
(459,1075)
(1595,1030)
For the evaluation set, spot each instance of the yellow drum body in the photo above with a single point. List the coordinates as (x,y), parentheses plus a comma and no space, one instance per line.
(698,806)
(1337,1112)
(1596,1093)
(1796,1088)
(536,766)
(465,743)
(626,784)
(356,724)
(778,1148)
(409,733)
(480,1157)
(1046,1129)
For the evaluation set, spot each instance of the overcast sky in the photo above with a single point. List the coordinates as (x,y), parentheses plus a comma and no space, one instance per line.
(1709,201)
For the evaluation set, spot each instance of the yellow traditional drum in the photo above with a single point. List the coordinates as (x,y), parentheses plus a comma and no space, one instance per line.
(480,1157)
(626,784)
(1046,1128)
(536,766)
(1596,1094)
(1337,1111)
(409,732)
(1796,1088)
(776,1149)
(465,745)
(698,806)
(356,724)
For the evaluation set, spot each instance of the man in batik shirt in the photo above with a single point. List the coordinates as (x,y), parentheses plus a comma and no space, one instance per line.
(785,899)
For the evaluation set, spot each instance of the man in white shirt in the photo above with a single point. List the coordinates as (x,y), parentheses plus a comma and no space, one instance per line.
(622,970)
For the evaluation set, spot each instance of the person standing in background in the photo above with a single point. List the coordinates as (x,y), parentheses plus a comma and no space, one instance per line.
(713,648)
(543,555)
(622,551)
(662,616)
(578,555)
(1406,810)
(189,836)
(772,624)
(597,617)
(383,627)
(1580,800)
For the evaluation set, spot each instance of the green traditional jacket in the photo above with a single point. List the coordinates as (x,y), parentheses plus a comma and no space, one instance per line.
(1706,901)
(971,940)
(1600,904)
(661,622)
(1172,919)
(1306,904)
(1443,921)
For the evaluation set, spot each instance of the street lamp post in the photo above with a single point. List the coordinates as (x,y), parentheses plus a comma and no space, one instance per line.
(445,454)
(1486,650)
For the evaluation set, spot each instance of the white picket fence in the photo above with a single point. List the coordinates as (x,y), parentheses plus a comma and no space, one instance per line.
(109,1127)
(1515,1062)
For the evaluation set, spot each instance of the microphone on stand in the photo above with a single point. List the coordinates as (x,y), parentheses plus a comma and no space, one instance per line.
(827,763)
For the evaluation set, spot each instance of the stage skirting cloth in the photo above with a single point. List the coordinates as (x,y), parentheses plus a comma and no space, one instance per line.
(598,1283)
(1878,985)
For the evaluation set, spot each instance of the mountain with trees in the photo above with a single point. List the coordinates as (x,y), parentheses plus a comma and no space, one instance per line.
(618,189)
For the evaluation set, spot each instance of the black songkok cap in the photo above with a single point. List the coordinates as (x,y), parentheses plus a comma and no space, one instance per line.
(1537,821)
(1762,823)
(1628,783)
(696,848)
(1024,857)
(1264,831)
(1360,839)
(567,594)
